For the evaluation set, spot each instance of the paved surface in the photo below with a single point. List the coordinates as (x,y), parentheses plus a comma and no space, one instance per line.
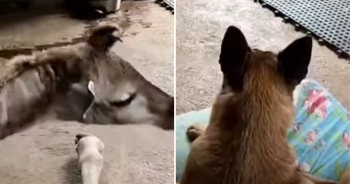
(200,25)
(44,153)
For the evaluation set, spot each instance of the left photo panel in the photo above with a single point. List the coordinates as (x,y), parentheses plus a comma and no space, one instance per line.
(87,92)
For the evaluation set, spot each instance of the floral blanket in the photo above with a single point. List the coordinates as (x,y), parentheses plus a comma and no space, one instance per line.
(320,136)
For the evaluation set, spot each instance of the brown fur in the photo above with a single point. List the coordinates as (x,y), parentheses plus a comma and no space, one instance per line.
(345,178)
(245,142)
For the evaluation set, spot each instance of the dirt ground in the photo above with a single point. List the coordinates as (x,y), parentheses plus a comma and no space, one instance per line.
(44,153)
(200,25)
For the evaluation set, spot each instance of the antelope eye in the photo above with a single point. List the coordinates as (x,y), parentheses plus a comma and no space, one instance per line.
(124,101)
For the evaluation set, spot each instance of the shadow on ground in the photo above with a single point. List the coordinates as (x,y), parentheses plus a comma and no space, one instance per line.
(72,172)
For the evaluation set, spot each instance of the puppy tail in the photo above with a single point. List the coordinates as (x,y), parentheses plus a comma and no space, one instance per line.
(102,37)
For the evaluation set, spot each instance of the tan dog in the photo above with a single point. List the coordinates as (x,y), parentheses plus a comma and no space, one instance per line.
(245,141)
(89,149)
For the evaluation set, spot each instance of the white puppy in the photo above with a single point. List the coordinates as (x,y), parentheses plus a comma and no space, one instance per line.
(89,149)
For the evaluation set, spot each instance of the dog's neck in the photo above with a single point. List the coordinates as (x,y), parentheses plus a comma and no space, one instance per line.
(261,108)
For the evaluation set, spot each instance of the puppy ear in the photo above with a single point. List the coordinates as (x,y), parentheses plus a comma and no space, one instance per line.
(102,37)
(234,49)
(294,60)
(78,137)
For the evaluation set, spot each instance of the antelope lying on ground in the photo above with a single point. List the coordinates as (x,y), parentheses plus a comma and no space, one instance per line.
(89,149)
(246,139)
(123,95)
(28,85)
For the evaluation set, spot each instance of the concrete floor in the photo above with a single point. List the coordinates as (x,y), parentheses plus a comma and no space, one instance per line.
(200,25)
(44,153)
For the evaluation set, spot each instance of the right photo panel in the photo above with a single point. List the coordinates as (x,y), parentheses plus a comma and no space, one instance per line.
(262,92)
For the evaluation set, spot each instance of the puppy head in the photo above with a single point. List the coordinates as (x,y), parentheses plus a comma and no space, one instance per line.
(103,37)
(78,137)
(84,141)
(246,69)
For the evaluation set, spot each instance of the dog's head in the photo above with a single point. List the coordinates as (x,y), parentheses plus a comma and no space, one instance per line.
(246,69)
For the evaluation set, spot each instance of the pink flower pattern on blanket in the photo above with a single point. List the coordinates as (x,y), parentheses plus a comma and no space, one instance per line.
(311,137)
(346,140)
(317,102)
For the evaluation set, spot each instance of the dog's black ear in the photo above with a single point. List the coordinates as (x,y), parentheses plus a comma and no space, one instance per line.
(234,49)
(103,37)
(294,60)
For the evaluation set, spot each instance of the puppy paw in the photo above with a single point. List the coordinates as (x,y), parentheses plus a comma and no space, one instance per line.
(194,131)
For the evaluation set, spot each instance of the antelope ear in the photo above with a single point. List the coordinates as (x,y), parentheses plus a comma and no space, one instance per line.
(91,88)
(234,49)
(294,60)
